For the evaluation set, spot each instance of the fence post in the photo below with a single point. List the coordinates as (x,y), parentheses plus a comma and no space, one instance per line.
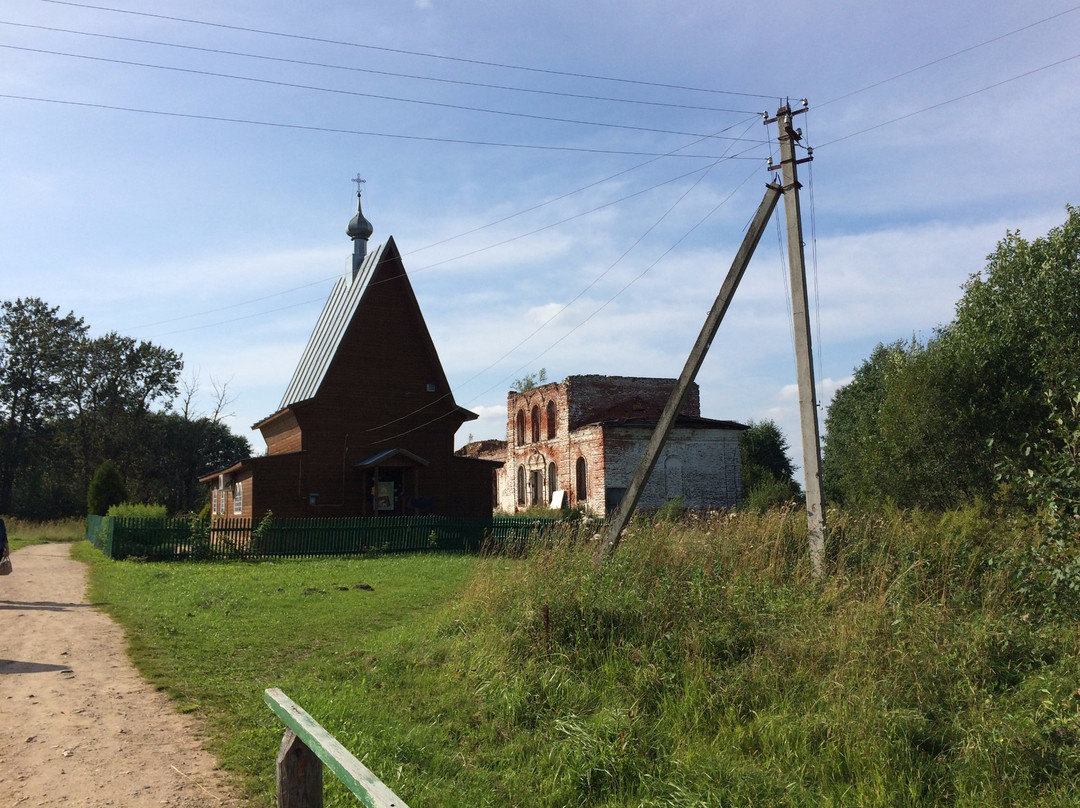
(299,774)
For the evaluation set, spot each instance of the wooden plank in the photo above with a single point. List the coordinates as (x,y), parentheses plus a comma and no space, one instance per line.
(355,775)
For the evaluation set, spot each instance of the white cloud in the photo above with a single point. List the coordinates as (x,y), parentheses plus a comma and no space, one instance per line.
(172,228)
(490,424)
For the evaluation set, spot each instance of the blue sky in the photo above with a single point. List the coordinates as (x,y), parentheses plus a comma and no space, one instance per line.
(568,182)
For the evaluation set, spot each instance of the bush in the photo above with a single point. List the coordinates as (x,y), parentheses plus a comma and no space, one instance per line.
(673,511)
(265,540)
(134,510)
(1048,476)
(540,512)
(106,489)
(771,492)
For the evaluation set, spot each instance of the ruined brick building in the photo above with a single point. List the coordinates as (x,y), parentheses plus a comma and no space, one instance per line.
(585,435)
(366,426)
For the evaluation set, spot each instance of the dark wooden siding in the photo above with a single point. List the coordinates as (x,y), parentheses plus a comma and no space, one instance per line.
(384,389)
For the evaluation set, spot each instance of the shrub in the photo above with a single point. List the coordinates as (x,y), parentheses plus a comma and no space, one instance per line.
(771,492)
(106,489)
(541,512)
(200,538)
(673,511)
(1048,474)
(265,540)
(135,510)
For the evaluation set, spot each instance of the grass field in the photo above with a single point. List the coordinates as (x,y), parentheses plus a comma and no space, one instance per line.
(699,667)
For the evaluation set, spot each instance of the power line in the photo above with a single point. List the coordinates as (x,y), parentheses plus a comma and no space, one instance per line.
(952,100)
(337,131)
(949,56)
(324,41)
(568,218)
(599,309)
(550,201)
(388,73)
(238,319)
(448,260)
(784,283)
(232,306)
(429,266)
(612,266)
(356,93)
(567,305)
(635,279)
(568,194)
(543,325)
(820,345)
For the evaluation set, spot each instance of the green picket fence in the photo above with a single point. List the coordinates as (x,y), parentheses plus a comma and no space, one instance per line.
(181,539)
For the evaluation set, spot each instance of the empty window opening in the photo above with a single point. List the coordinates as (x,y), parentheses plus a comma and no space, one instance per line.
(519,431)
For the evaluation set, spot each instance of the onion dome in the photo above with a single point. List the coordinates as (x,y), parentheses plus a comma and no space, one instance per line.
(359,227)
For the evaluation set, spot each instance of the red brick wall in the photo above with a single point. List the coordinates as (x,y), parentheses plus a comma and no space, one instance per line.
(599,398)
(535,455)
(709,458)
(565,447)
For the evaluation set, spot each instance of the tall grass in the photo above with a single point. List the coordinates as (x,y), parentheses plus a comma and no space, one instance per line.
(21,532)
(699,666)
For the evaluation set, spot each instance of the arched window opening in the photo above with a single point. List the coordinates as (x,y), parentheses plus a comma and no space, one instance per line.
(535,423)
(521,485)
(673,477)
(581,488)
(520,428)
(553,479)
(552,422)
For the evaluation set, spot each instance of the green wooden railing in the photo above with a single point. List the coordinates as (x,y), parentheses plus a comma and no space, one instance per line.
(305,749)
(224,538)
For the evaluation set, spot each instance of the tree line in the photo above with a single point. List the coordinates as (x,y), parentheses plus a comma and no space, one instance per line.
(69,402)
(983,405)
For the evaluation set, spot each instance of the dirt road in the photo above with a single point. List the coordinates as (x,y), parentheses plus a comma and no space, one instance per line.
(78,725)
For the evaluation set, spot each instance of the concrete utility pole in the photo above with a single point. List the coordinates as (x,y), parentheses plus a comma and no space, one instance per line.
(622,514)
(804,360)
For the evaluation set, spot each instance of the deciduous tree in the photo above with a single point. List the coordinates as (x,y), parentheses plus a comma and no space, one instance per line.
(36,349)
(925,424)
(767,472)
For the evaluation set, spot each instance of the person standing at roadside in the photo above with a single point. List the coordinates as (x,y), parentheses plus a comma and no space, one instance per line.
(4,552)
